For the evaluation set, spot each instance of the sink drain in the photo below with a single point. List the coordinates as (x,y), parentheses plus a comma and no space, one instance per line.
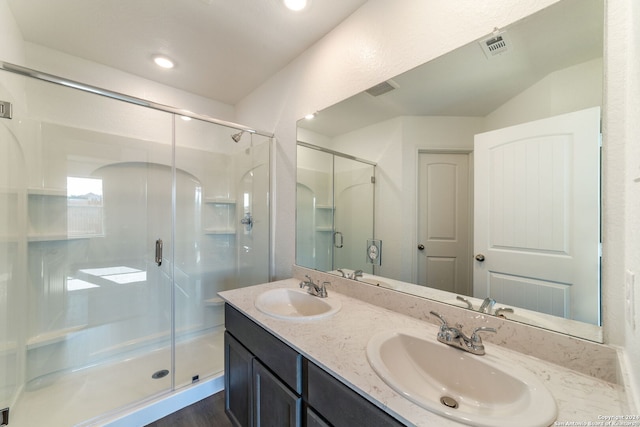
(160,374)
(449,402)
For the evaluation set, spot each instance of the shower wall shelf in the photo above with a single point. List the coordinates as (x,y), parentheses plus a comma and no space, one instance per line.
(44,191)
(219,201)
(53,337)
(219,216)
(324,218)
(47,213)
(33,238)
(219,231)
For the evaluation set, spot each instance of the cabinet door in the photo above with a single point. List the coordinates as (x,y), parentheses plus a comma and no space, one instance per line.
(281,359)
(274,403)
(313,419)
(237,382)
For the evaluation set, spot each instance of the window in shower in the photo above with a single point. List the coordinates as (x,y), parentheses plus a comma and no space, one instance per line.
(85,209)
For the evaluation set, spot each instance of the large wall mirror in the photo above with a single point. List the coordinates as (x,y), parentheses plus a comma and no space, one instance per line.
(476,176)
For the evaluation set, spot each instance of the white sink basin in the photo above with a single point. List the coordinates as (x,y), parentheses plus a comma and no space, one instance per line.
(294,304)
(488,390)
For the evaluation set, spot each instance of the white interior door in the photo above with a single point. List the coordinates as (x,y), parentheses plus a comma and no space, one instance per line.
(443,241)
(537,215)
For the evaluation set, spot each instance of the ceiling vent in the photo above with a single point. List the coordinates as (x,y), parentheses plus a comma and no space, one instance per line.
(495,45)
(382,88)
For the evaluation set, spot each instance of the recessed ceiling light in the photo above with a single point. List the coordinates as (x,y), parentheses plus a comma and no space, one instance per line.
(296,5)
(310,116)
(163,61)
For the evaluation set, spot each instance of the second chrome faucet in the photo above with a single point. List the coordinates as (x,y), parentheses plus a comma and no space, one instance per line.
(313,289)
(454,336)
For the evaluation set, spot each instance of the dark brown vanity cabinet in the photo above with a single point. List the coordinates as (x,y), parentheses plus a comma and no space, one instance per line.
(267,383)
(262,375)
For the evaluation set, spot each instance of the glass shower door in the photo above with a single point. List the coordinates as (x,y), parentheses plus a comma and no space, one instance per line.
(12,261)
(354,192)
(315,234)
(334,211)
(98,291)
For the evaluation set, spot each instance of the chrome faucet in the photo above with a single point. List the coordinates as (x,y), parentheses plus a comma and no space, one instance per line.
(341,271)
(454,336)
(313,289)
(501,310)
(356,274)
(487,305)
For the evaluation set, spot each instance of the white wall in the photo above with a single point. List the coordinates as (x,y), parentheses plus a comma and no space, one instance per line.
(564,91)
(622,183)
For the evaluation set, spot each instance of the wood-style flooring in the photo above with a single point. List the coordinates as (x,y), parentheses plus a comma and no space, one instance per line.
(208,412)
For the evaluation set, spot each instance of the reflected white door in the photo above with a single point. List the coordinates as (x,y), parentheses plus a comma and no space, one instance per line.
(443,237)
(537,215)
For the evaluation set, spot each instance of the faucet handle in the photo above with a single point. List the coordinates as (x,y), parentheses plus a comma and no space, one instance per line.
(476,338)
(322,293)
(501,310)
(444,322)
(357,273)
(307,282)
(466,301)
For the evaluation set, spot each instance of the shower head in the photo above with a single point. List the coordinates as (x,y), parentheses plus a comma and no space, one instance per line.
(236,136)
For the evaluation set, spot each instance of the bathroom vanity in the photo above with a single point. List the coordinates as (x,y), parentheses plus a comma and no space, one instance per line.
(316,372)
(270,383)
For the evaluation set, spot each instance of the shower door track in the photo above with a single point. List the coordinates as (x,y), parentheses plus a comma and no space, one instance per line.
(24,71)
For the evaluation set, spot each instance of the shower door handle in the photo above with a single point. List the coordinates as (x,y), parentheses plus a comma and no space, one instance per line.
(159,252)
(337,239)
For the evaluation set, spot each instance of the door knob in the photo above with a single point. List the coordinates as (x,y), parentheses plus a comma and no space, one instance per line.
(421,247)
(480,257)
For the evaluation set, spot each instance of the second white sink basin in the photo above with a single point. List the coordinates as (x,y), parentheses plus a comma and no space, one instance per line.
(476,390)
(294,304)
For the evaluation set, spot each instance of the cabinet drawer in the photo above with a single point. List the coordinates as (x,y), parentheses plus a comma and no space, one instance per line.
(285,362)
(340,405)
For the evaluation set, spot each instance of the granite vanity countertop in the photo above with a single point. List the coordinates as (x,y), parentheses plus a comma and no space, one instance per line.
(338,344)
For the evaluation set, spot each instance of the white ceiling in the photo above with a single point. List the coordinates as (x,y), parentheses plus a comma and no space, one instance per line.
(224,49)
(466,83)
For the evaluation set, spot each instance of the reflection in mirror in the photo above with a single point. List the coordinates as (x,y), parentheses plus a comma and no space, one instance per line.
(334,209)
(487,173)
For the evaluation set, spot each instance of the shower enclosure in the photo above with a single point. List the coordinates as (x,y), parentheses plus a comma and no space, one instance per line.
(120,221)
(334,210)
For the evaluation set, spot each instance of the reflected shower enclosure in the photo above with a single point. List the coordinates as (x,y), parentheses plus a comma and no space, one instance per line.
(334,210)
(119,224)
